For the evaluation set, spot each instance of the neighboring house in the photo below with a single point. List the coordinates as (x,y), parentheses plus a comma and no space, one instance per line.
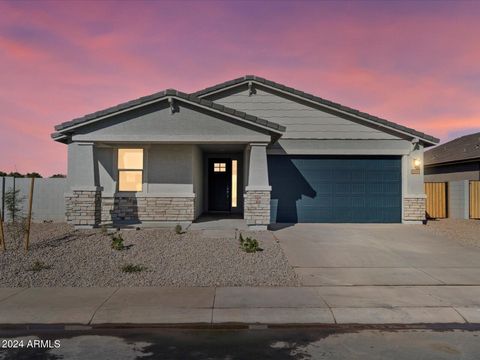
(455,160)
(457,164)
(248,146)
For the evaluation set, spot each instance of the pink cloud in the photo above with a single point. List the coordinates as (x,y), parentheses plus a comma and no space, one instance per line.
(414,63)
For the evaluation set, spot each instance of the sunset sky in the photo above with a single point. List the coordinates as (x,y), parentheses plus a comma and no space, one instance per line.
(415,63)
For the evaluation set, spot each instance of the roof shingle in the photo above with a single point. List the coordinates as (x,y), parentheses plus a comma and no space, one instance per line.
(460,149)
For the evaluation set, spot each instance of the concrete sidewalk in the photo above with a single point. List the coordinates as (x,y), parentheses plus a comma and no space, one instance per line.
(241,305)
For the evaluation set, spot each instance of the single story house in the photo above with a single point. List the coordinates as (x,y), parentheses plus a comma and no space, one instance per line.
(455,167)
(247,146)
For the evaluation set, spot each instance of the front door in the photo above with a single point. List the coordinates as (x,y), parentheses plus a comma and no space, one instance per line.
(219,180)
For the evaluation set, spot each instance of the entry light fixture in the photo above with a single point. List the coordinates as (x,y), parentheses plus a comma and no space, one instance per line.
(416,164)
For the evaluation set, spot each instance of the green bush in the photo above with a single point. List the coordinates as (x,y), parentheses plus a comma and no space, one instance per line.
(178,229)
(131,268)
(39,266)
(249,245)
(117,242)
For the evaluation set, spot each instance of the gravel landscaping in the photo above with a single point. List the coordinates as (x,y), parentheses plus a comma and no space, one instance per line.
(62,256)
(464,231)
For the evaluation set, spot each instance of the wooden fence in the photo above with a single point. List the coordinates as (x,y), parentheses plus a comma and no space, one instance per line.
(474,199)
(436,204)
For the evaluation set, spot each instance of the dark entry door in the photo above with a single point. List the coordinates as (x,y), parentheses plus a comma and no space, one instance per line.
(219,180)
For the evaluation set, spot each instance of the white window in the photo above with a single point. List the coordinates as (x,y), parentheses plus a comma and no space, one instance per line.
(130,169)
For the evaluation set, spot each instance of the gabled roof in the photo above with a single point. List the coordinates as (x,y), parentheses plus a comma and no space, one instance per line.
(309,97)
(69,126)
(461,149)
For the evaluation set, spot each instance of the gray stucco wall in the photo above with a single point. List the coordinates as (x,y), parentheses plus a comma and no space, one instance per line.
(453,172)
(340,147)
(48,197)
(458,199)
(197,169)
(81,165)
(106,165)
(414,181)
(169,169)
(302,121)
(156,123)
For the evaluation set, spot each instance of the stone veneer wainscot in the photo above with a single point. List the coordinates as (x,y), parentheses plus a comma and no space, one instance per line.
(257,207)
(147,208)
(82,207)
(414,208)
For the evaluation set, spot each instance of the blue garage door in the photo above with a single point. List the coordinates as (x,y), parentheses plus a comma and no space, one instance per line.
(335,189)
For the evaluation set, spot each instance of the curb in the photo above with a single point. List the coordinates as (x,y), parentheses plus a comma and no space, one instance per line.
(240,326)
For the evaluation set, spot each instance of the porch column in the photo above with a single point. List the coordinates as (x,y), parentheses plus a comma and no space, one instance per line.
(83,199)
(414,197)
(257,191)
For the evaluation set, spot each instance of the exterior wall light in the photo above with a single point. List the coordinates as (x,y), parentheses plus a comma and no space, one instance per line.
(416,164)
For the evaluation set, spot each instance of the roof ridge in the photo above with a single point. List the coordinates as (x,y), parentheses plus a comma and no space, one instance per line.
(316,99)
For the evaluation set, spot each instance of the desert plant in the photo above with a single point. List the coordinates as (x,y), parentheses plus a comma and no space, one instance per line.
(13,203)
(117,242)
(17,222)
(131,268)
(39,266)
(249,245)
(178,229)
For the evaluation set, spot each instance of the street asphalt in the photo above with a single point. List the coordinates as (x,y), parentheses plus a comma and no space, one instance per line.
(373,343)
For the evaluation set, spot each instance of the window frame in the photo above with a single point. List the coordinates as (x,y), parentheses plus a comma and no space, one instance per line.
(131,170)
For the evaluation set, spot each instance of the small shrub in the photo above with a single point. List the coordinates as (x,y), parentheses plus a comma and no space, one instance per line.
(178,229)
(249,245)
(131,268)
(13,203)
(18,223)
(117,242)
(39,266)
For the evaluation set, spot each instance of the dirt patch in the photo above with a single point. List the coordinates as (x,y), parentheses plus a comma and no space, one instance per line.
(70,257)
(464,231)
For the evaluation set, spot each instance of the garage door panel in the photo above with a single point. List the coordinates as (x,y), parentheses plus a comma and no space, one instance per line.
(358,202)
(391,176)
(335,189)
(317,201)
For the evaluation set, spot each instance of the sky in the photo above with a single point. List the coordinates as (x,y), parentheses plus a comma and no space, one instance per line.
(414,63)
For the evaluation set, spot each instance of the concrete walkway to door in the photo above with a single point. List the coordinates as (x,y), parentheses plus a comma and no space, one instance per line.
(376,254)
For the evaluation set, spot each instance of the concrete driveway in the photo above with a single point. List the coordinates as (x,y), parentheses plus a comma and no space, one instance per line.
(377,254)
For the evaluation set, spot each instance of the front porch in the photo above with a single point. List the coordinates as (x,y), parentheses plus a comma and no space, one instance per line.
(227,222)
(205,184)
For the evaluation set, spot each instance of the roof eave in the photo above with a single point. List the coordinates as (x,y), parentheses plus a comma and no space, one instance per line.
(269,126)
(451,162)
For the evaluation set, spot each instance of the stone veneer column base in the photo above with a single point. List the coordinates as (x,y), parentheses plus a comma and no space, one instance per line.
(147,209)
(257,208)
(414,208)
(82,208)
